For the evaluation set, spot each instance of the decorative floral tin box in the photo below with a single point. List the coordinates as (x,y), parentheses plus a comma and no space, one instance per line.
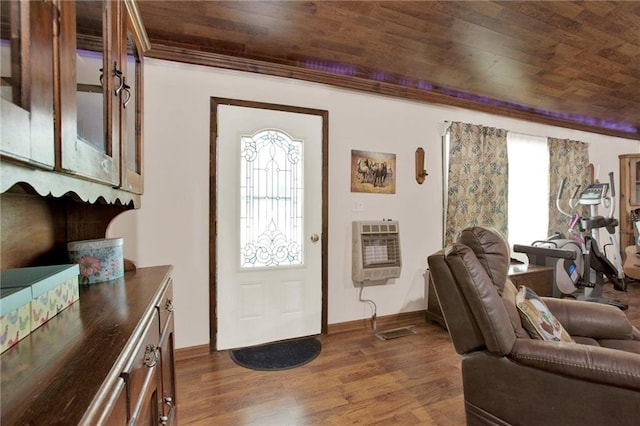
(100,260)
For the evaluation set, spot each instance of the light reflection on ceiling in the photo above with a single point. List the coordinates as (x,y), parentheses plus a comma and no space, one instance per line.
(352,71)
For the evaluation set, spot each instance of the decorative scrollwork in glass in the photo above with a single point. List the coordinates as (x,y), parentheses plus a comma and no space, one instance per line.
(271,200)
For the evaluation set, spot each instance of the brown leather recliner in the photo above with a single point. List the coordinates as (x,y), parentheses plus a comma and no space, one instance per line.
(510,378)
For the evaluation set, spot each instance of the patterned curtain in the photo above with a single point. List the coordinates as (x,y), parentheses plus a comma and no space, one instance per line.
(477,179)
(570,159)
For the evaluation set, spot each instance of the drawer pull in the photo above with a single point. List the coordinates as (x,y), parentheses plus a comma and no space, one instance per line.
(151,356)
(168,305)
(164,420)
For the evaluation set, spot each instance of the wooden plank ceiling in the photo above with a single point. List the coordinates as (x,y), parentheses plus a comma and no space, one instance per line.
(573,64)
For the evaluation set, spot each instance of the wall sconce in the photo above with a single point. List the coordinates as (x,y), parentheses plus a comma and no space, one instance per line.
(421,173)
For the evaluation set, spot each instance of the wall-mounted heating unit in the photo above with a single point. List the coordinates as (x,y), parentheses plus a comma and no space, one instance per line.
(376,250)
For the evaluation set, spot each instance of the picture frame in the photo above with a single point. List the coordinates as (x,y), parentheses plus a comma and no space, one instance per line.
(373,172)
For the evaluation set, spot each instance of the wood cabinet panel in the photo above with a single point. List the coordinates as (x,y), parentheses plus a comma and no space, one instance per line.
(140,372)
(114,411)
(35,230)
(165,309)
(167,400)
(629,197)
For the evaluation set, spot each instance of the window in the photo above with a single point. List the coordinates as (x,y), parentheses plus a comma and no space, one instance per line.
(528,211)
(271,200)
(528,187)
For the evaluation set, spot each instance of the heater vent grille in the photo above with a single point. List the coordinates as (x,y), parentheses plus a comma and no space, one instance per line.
(376,251)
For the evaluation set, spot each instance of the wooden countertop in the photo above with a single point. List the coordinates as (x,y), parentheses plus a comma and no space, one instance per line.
(54,374)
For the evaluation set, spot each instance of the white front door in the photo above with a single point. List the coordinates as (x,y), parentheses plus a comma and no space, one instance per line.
(269,225)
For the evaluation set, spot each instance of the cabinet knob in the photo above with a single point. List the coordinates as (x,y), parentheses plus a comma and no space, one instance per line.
(151,356)
(168,305)
(168,400)
(164,420)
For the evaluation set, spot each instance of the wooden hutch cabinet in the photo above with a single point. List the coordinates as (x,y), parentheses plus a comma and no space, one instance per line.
(629,196)
(71,161)
(72,89)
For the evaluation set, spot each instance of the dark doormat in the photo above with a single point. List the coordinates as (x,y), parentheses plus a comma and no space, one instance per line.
(279,355)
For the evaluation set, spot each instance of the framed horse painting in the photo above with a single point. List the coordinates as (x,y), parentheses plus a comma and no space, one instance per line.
(373,172)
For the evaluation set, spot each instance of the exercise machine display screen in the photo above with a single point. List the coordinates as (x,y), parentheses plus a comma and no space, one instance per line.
(594,193)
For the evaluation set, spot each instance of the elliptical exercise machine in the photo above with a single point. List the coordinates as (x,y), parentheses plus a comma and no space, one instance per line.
(580,266)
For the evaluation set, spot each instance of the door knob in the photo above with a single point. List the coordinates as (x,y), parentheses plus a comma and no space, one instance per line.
(314,237)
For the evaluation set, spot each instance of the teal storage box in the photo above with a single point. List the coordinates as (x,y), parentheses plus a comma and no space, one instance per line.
(15,315)
(53,288)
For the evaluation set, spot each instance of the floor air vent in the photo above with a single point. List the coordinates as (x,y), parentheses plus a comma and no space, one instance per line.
(396,332)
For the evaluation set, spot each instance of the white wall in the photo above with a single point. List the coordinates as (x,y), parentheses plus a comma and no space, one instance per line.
(172,225)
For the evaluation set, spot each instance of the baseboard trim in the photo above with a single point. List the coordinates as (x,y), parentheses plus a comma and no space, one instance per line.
(189,352)
(387,321)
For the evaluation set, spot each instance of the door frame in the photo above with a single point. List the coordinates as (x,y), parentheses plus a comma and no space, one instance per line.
(213,231)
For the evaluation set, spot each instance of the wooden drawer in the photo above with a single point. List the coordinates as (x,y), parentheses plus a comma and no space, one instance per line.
(165,306)
(142,366)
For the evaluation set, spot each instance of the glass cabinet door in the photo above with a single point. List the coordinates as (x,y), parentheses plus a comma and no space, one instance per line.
(90,60)
(88,124)
(133,43)
(10,63)
(26,72)
(629,199)
(634,180)
(131,125)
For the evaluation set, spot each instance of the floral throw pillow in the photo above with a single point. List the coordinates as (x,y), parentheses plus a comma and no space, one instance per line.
(537,319)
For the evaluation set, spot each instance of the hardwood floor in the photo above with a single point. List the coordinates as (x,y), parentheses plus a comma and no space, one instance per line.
(357,379)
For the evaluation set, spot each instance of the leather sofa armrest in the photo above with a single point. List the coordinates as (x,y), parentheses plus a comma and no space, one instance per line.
(593,363)
(589,319)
